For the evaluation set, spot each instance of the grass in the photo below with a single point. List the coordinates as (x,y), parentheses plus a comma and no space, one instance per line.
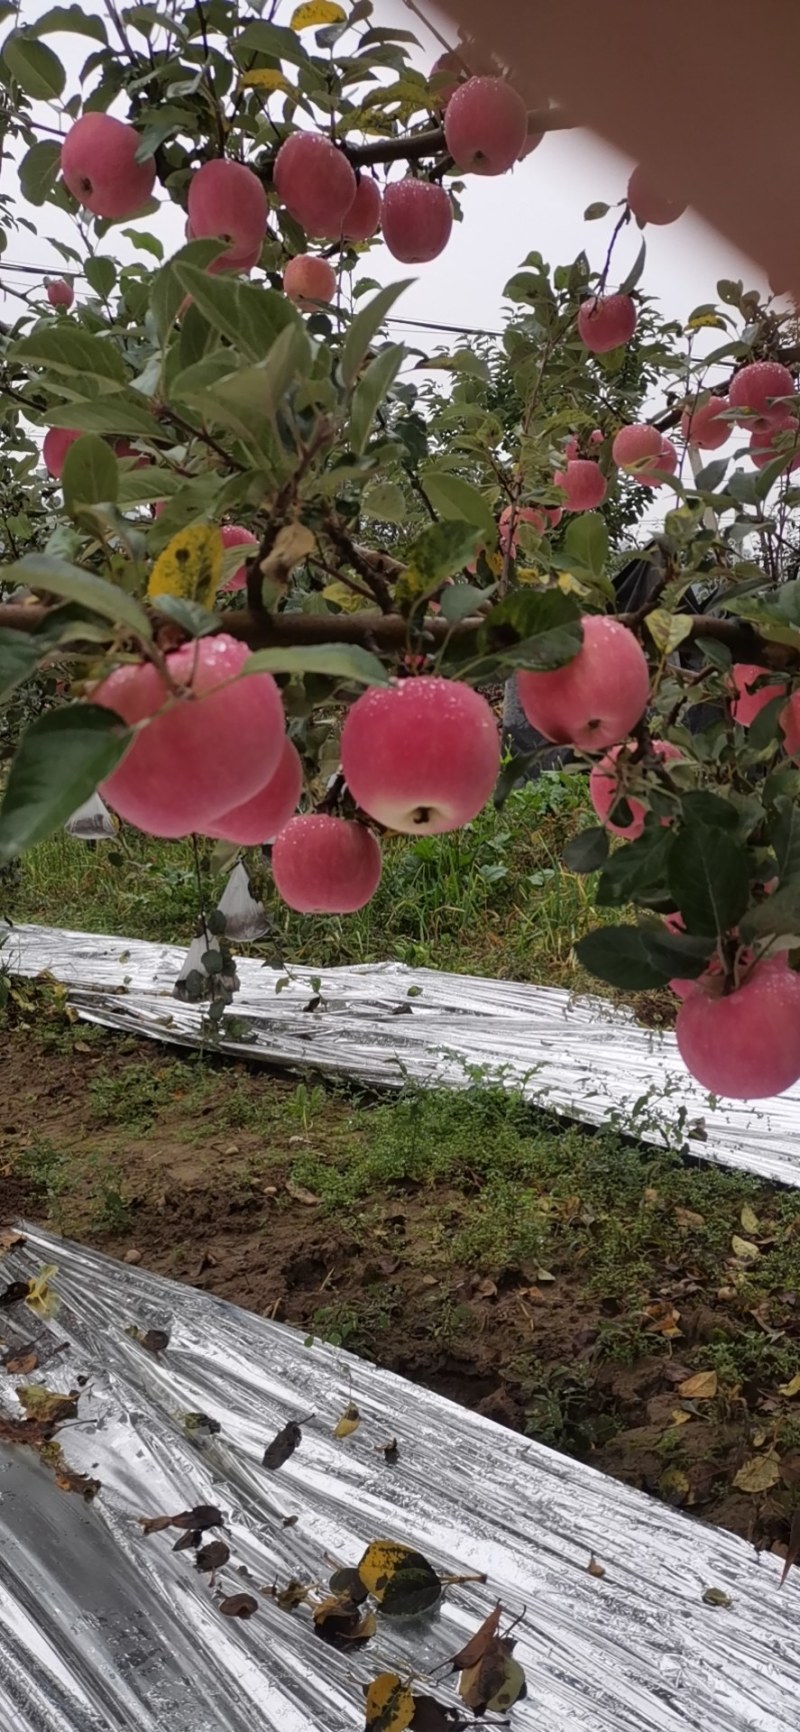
(490,899)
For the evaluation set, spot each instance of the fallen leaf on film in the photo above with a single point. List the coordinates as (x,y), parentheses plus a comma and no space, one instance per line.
(400,1579)
(187,1540)
(348,1585)
(390,1704)
(793,1548)
(289,1521)
(349,1422)
(202,1422)
(21,1360)
(154,1524)
(789,1389)
(204,1515)
(744,1250)
(474,1650)
(239,1605)
(46,1405)
(153,1340)
(749,1221)
(40,1295)
(213,1556)
(433,1716)
(342,1624)
(282,1446)
(391,1451)
(716,1597)
(292,1596)
(761,1473)
(496,1683)
(701,1387)
(13,1294)
(593,1568)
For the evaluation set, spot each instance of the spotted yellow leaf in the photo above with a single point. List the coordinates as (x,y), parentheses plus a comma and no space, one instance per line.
(268,78)
(190,565)
(390,1704)
(315,12)
(761,1473)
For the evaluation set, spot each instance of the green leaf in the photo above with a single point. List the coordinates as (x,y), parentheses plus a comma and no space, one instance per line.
(587,851)
(63,348)
(699,806)
(101,274)
(709,478)
(535,629)
(364,326)
(34,66)
(275,40)
(453,497)
(38,571)
(145,242)
(636,271)
(593,211)
(765,729)
(116,412)
(777,915)
(617,955)
(636,872)
(19,657)
(385,501)
(742,485)
(783,835)
(252,319)
(194,619)
(168,293)
(438,552)
(90,475)
(288,359)
(709,879)
(459,600)
(58,765)
(586,540)
(371,391)
(340,661)
(70,19)
(678,954)
(39,170)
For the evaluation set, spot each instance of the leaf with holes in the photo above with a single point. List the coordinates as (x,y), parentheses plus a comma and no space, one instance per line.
(190,566)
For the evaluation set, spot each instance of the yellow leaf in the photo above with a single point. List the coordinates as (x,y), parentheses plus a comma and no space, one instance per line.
(743,1249)
(702,1387)
(679,1416)
(269,78)
(674,1485)
(190,566)
(569,584)
(668,630)
(349,1422)
(761,1473)
(293,543)
(343,597)
(390,1704)
(790,1389)
(46,1405)
(315,12)
(40,1296)
(749,1220)
(701,320)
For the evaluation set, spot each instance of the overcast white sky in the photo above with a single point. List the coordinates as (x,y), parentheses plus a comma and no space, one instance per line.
(540,205)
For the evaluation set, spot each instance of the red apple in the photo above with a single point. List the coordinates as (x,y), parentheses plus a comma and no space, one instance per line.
(583,484)
(324,865)
(701,424)
(59,293)
(634,447)
(262,818)
(422,755)
(744,1045)
(485,126)
(364,216)
(55,445)
(227,201)
(417,220)
(541,518)
(607,786)
(234,535)
(307,280)
(605,322)
(747,704)
(315,182)
(207,746)
(596,700)
(754,388)
(98,162)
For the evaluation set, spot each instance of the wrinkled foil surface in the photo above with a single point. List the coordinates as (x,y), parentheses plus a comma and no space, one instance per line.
(387,1025)
(105,1630)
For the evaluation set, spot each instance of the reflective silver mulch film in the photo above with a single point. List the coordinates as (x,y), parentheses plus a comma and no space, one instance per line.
(104,1629)
(387,1025)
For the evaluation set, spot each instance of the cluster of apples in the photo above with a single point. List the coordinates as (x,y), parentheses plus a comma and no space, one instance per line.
(762,399)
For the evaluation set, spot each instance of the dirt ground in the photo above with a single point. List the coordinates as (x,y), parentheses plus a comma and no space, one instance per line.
(629,1308)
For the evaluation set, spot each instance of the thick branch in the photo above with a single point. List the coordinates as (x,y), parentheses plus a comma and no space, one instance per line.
(391,631)
(413,146)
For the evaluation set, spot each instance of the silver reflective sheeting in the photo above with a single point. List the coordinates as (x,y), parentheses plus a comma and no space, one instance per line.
(104,1630)
(387,1025)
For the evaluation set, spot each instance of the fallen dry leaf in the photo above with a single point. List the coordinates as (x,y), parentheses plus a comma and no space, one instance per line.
(282,1446)
(701,1387)
(239,1605)
(20,1361)
(593,1568)
(10,1238)
(761,1473)
(744,1250)
(749,1221)
(473,1651)
(689,1219)
(716,1597)
(299,1194)
(679,1416)
(788,1389)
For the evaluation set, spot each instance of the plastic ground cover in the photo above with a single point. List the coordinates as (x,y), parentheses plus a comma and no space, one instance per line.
(387,1026)
(104,1629)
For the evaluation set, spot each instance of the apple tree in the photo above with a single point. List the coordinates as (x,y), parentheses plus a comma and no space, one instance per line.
(237,518)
